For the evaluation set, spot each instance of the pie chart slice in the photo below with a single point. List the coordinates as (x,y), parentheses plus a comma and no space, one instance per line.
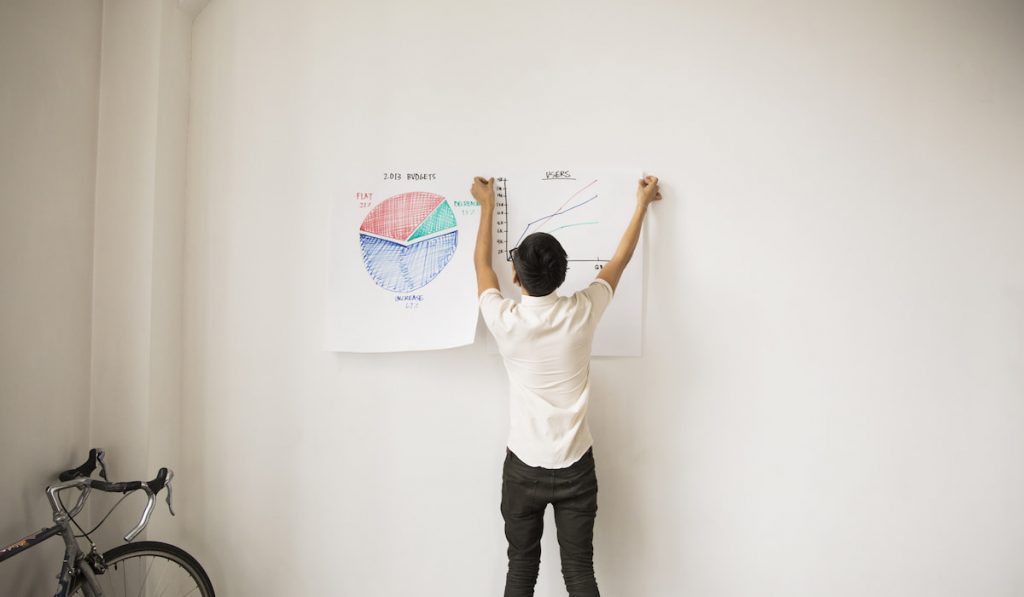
(407,240)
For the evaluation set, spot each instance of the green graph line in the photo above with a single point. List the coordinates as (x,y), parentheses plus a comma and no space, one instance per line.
(576,224)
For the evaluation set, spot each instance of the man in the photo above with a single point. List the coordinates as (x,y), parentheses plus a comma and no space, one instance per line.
(545,341)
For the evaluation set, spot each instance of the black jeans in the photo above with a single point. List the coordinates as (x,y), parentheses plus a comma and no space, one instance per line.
(525,493)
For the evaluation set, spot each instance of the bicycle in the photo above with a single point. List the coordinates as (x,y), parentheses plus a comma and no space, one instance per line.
(126,569)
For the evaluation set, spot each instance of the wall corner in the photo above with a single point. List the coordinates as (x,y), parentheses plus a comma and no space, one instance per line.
(193,7)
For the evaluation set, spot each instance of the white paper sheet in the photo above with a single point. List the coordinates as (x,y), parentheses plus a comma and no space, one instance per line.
(587,211)
(401,264)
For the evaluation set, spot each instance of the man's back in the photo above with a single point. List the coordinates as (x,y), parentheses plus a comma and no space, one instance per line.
(546,342)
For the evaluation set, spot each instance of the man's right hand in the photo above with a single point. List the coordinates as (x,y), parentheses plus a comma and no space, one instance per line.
(647,191)
(483,191)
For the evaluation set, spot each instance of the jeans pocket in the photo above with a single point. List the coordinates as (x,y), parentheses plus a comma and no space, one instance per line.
(583,492)
(517,495)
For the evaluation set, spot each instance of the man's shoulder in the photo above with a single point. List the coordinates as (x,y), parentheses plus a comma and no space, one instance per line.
(497,310)
(597,286)
(595,296)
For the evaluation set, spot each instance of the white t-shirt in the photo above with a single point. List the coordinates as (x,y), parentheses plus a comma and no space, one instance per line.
(545,342)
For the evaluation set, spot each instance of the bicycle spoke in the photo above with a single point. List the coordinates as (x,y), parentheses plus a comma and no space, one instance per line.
(144,578)
(189,576)
(167,564)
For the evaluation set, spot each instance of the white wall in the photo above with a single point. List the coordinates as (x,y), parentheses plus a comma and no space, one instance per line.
(49,77)
(93,122)
(830,400)
(140,196)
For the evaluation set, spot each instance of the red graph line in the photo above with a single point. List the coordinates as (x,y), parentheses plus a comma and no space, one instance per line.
(556,212)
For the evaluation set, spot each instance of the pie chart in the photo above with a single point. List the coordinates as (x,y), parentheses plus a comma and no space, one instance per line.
(407,240)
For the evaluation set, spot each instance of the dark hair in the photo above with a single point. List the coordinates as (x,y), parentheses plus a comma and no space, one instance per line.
(540,263)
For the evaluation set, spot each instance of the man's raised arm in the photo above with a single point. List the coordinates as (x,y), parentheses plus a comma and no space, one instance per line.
(647,192)
(483,192)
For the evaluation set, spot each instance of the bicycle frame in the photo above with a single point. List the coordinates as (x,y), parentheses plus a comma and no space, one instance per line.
(28,541)
(76,562)
(72,552)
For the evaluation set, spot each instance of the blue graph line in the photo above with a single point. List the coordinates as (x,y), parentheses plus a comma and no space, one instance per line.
(557,213)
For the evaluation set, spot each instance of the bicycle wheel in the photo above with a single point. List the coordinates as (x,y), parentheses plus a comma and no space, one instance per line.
(150,568)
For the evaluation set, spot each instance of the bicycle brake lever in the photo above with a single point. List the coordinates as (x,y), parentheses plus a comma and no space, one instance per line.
(170,475)
(100,454)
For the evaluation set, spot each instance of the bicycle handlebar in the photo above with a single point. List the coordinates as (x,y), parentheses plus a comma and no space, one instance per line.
(154,486)
(81,477)
(95,456)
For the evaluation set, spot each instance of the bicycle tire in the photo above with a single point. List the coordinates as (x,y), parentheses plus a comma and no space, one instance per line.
(117,561)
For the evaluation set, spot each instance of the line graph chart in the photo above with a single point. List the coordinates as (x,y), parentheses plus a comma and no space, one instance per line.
(539,222)
(582,196)
(587,211)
